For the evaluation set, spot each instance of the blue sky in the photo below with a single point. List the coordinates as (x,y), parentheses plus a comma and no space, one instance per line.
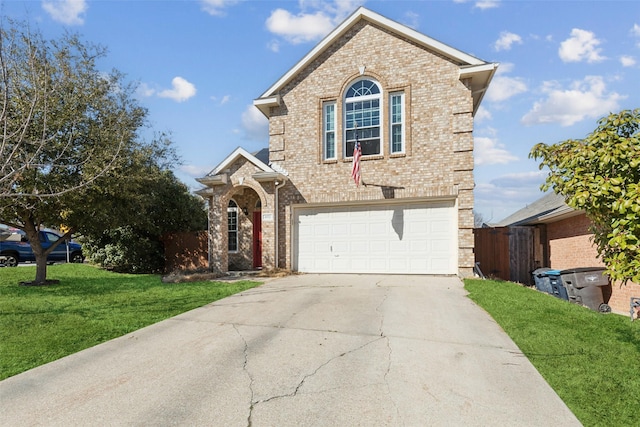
(200,65)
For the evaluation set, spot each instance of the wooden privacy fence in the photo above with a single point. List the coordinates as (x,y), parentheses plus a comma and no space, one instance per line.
(186,251)
(506,253)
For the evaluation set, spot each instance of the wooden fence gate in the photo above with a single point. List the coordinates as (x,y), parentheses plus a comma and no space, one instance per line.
(506,253)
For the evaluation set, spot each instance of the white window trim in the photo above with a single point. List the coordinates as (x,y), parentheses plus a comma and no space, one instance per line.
(235,210)
(325,131)
(402,123)
(381,103)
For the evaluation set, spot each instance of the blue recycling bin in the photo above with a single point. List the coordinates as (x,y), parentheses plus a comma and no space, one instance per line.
(541,280)
(557,288)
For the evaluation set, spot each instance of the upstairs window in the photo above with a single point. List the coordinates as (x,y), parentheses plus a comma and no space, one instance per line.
(232,226)
(362,117)
(397,122)
(329,130)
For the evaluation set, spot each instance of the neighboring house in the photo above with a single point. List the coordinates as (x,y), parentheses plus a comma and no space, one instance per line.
(559,238)
(409,101)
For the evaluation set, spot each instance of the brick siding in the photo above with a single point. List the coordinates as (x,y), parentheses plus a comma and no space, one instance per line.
(438,159)
(570,246)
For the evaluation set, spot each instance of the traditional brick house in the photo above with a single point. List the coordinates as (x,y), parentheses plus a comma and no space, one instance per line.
(409,100)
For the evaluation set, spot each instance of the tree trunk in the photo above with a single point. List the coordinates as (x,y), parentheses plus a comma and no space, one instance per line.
(41,270)
(33,235)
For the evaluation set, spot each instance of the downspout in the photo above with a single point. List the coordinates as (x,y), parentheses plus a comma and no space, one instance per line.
(209,257)
(277,186)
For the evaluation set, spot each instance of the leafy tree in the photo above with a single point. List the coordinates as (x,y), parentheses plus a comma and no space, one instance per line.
(67,130)
(164,205)
(600,175)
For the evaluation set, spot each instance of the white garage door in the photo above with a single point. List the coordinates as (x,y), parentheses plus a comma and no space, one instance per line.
(413,238)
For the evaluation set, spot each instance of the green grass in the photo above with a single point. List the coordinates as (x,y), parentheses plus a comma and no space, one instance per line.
(88,306)
(591,360)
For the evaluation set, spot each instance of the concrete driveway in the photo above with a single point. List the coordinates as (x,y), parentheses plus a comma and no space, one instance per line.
(309,350)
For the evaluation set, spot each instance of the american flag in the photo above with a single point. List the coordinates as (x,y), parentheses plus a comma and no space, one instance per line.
(355,167)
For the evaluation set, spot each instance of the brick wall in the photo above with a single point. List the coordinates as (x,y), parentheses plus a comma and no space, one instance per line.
(438,159)
(570,246)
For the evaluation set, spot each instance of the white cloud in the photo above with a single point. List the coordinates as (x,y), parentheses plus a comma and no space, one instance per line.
(503,87)
(627,61)
(221,101)
(585,99)
(487,4)
(635,32)
(255,124)
(181,90)
(581,46)
(145,91)
(507,194)
(482,4)
(520,179)
(506,40)
(482,115)
(487,151)
(274,46)
(66,11)
(195,171)
(299,28)
(411,20)
(216,7)
(315,20)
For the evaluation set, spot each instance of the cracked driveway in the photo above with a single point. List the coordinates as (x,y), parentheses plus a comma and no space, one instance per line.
(308,350)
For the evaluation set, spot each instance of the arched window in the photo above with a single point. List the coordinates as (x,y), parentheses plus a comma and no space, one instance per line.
(232,226)
(362,117)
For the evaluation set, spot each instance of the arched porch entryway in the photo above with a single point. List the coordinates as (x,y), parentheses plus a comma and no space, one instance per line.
(244,229)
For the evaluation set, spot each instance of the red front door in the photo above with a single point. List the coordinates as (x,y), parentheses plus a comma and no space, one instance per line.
(257,239)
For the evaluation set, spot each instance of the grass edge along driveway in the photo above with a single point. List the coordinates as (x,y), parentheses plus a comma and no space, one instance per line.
(590,359)
(40,324)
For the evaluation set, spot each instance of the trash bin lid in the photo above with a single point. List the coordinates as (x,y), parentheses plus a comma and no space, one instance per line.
(582,270)
(553,272)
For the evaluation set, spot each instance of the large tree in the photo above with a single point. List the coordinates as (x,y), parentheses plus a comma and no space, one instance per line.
(67,129)
(163,205)
(600,175)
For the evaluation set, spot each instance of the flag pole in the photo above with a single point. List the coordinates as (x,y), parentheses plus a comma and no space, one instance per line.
(357,154)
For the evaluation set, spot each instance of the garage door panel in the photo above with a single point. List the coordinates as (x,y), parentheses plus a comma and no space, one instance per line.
(338,247)
(378,246)
(385,238)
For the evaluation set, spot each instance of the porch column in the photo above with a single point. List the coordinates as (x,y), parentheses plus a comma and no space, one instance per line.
(217,253)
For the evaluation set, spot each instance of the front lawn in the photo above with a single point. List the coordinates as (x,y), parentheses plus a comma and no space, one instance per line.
(591,360)
(89,306)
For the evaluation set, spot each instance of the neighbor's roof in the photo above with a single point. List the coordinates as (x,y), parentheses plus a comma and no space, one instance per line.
(480,72)
(550,207)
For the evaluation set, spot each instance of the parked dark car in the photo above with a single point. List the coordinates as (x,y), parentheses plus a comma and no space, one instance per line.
(15,249)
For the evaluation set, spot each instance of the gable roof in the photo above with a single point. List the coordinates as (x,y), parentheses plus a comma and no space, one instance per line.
(235,155)
(480,72)
(550,207)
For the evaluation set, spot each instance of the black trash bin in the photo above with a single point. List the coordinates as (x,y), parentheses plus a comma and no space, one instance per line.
(587,286)
(557,288)
(541,280)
